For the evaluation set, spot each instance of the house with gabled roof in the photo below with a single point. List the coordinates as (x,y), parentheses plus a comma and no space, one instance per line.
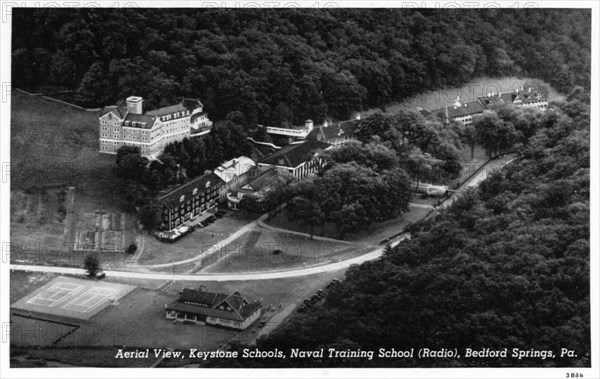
(203,307)
(236,172)
(530,98)
(298,160)
(258,187)
(128,125)
(335,133)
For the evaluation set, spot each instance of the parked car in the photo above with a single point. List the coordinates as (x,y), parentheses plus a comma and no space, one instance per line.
(99,274)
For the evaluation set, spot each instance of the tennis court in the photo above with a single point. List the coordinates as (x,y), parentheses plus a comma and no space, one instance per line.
(72,297)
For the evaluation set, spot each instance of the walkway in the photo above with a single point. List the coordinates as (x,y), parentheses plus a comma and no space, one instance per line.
(204,277)
(262,224)
(479,176)
(213,249)
(336,266)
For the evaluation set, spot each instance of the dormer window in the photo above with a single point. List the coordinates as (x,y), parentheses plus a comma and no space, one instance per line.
(182,198)
(208,184)
(195,191)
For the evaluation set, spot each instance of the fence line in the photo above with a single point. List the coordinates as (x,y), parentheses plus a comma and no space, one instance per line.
(59,101)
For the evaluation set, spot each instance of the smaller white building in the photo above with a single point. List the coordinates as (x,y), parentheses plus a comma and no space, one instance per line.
(235,172)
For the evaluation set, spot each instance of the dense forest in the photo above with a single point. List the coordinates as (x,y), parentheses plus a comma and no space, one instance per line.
(506,266)
(283,66)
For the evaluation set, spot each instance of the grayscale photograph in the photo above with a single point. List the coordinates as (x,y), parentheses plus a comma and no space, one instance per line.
(320,186)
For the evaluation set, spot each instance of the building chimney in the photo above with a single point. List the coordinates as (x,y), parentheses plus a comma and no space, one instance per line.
(134,104)
(308,124)
(457,102)
(529,89)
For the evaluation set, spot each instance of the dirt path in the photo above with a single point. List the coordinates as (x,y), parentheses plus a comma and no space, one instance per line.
(211,250)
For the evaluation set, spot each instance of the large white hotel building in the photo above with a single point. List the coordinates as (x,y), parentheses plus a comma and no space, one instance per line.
(151,131)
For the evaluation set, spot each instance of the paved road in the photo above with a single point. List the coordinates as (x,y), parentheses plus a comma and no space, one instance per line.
(480,176)
(378,252)
(216,277)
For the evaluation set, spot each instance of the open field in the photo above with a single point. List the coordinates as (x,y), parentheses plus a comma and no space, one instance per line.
(157,252)
(30,331)
(79,356)
(54,146)
(127,322)
(469,92)
(372,235)
(36,219)
(254,251)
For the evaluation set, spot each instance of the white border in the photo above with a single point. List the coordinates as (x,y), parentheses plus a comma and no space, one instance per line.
(5,53)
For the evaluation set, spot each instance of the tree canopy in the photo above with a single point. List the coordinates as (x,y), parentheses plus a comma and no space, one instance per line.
(279,66)
(505,266)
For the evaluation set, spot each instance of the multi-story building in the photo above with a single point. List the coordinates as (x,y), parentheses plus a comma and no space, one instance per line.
(530,98)
(188,201)
(151,131)
(464,112)
(236,172)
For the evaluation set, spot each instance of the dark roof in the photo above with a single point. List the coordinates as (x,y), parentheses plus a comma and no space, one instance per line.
(167,110)
(196,115)
(171,199)
(465,109)
(191,104)
(424,112)
(118,110)
(294,155)
(207,303)
(511,97)
(263,181)
(335,130)
(185,105)
(220,313)
(142,121)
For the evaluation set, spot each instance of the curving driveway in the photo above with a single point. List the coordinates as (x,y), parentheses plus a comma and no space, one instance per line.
(377,253)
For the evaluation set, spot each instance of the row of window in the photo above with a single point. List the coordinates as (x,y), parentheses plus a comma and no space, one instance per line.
(104,122)
(175,115)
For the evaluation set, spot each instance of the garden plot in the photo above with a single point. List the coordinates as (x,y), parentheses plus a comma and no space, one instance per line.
(99,231)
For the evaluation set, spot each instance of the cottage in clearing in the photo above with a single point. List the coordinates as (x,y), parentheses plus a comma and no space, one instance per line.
(202,307)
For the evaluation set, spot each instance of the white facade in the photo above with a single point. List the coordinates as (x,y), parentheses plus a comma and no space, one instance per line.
(152,131)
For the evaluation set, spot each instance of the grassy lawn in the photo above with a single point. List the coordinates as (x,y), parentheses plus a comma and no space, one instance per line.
(254,251)
(372,235)
(192,245)
(57,145)
(23,283)
(78,356)
(128,322)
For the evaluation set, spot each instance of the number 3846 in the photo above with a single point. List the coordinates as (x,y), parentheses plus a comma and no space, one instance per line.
(574,375)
